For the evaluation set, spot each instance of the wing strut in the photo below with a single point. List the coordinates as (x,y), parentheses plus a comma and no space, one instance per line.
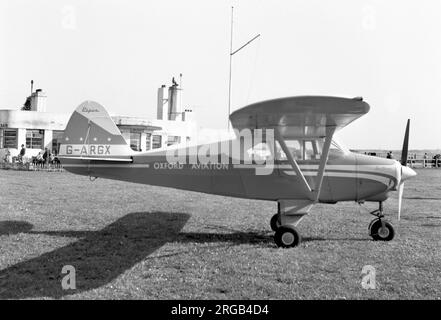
(293,163)
(312,194)
(323,160)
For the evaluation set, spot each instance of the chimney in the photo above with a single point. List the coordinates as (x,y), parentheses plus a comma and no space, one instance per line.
(38,101)
(162,108)
(174,103)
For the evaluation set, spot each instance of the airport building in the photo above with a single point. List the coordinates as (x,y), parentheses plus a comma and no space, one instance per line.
(37,129)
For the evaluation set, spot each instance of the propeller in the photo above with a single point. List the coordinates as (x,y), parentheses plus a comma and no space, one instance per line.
(405,150)
(400,198)
(405,172)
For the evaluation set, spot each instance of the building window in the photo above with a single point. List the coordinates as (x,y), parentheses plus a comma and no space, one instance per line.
(135,141)
(156,142)
(56,140)
(8,138)
(148,141)
(35,139)
(171,140)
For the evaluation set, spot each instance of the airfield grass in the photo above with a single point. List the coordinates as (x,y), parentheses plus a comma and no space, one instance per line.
(129,241)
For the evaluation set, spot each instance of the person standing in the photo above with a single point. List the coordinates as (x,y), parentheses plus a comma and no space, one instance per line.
(8,157)
(39,159)
(45,156)
(22,153)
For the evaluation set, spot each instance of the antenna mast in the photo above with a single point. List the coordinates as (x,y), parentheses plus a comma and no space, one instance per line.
(231,62)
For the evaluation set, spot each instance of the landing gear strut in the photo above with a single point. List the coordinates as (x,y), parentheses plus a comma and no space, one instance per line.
(379,229)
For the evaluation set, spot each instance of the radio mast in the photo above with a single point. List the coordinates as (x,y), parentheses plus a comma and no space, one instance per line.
(231,63)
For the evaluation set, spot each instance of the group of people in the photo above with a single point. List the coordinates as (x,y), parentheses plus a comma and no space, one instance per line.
(43,158)
(46,158)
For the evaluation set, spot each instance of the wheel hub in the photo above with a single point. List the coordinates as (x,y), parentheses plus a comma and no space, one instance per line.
(383,232)
(288,238)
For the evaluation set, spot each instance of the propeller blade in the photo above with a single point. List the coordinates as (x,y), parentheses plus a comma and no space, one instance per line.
(405,150)
(400,198)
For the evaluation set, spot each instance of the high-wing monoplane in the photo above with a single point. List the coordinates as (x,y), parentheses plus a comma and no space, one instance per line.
(283,150)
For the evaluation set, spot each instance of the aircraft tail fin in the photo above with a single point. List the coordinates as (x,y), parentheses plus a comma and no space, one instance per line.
(91,134)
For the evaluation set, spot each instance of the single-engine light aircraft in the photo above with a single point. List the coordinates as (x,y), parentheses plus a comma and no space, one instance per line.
(292,157)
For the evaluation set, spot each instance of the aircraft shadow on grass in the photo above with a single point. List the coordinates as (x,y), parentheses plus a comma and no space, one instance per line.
(98,256)
(101,256)
(237,237)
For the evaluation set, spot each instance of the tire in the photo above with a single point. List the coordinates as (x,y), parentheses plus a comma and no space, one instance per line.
(287,237)
(380,234)
(275,222)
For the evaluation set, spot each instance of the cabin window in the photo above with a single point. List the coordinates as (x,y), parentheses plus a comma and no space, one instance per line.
(35,139)
(156,141)
(259,152)
(135,141)
(336,148)
(311,150)
(300,149)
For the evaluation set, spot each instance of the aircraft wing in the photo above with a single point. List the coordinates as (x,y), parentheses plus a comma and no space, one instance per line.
(303,117)
(300,117)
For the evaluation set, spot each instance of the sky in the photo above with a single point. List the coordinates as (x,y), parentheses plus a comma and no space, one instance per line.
(119,52)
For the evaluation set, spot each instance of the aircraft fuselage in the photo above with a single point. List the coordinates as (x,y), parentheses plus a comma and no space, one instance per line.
(348,177)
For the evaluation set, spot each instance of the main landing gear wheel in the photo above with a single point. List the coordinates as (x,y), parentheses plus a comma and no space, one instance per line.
(287,237)
(275,222)
(379,232)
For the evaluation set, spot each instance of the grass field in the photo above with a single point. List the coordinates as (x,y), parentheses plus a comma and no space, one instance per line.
(129,241)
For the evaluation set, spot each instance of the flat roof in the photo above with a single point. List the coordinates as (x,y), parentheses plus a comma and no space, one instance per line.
(58,121)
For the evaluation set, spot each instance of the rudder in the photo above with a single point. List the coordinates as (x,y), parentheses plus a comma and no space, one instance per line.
(91,133)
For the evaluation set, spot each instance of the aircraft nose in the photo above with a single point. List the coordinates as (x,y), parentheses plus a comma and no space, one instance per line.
(407,173)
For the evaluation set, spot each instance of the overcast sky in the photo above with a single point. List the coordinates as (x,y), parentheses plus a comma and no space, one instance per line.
(119,52)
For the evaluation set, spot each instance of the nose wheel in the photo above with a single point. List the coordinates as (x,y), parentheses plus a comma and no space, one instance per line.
(379,229)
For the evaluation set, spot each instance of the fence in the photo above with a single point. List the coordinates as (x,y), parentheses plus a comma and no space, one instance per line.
(29,166)
(414,160)
(424,163)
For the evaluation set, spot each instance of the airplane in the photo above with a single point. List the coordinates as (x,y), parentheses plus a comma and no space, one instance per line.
(297,161)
